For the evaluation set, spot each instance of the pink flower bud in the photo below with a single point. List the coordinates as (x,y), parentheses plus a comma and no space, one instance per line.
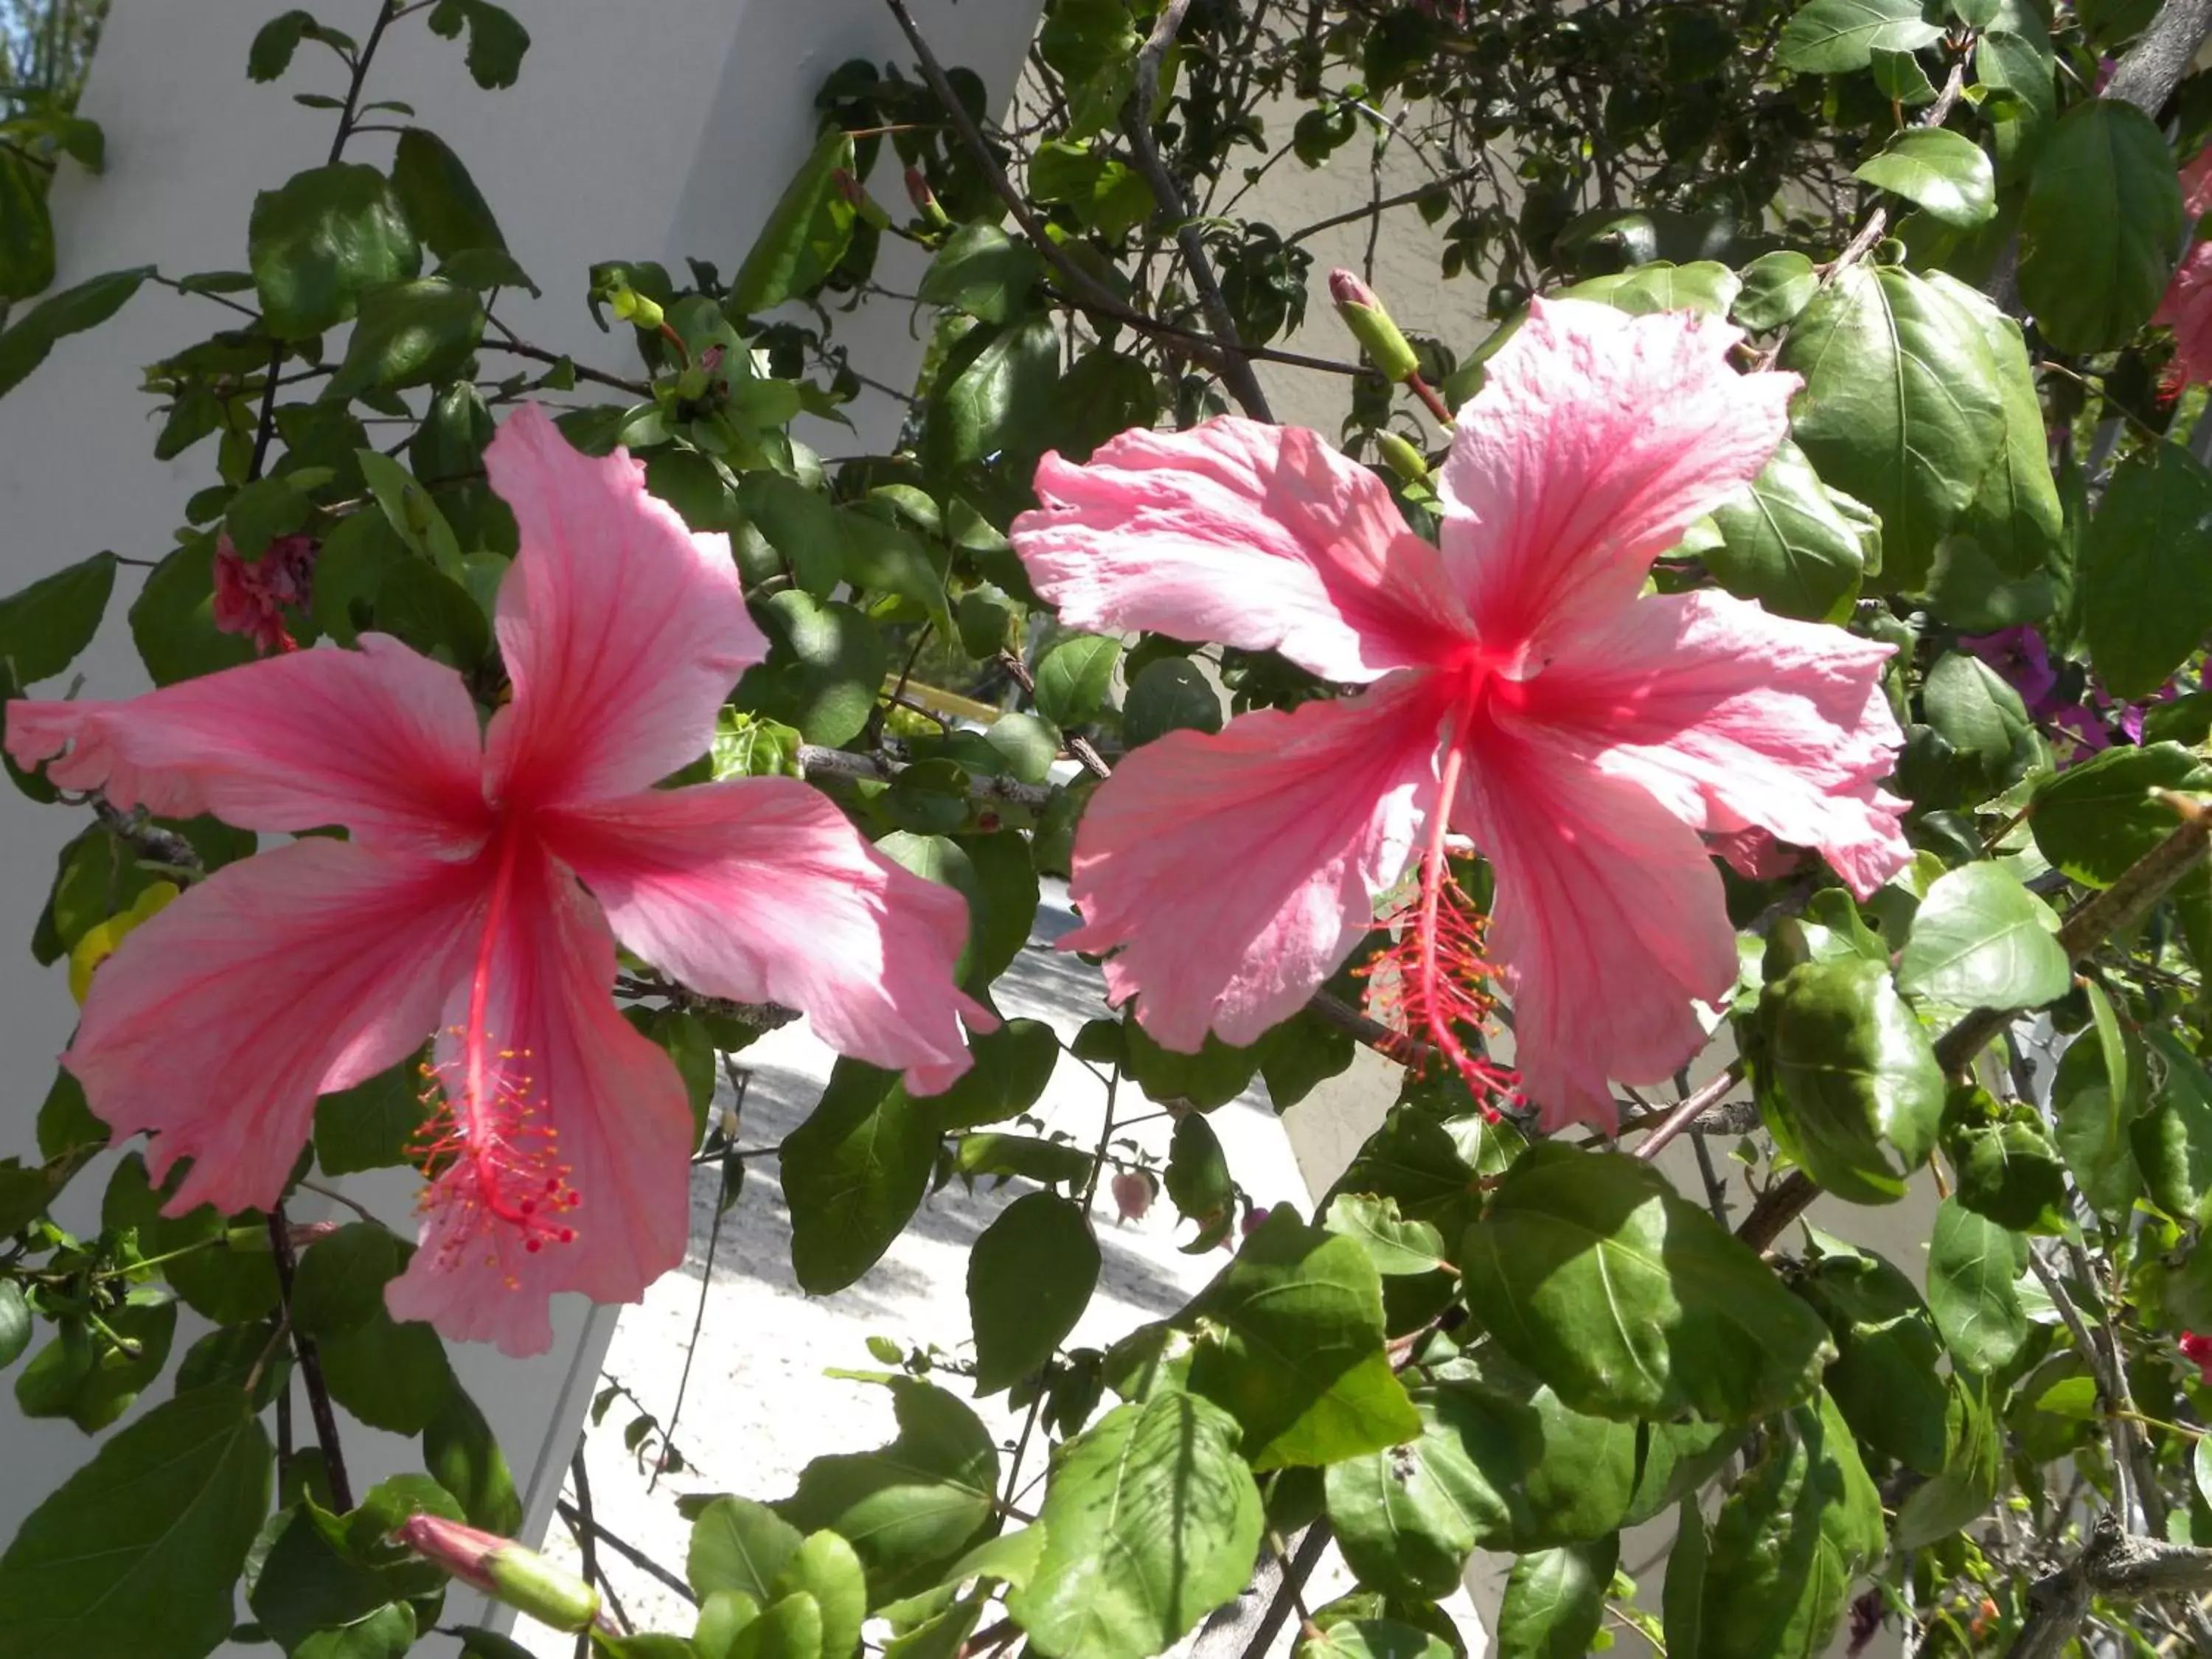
(2197,1350)
(502,1569)
(1132,1194)
(1372,326)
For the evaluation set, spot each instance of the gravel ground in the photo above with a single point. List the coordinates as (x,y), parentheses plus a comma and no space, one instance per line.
(758,1406)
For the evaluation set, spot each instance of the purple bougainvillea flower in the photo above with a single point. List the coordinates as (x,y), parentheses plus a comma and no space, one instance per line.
(481,892)
(2019,655)
(1517,690)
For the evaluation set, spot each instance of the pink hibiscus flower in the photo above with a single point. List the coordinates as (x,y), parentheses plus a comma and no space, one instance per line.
(482,890)
(2187,307)
(251,595)
(1518,691)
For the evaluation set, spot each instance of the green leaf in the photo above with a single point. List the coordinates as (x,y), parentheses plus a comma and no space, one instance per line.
(2100,228)
(1199,1183)
(442,202)
(463,1456)
(993,395)
(1900,78)
(853,1174)
(1660,285)
(24,344)
(1885,1380)
(1982,718)
(418,333)
(1834,37)
(825,1571)
(14,1324)
(1629,1300)
(1500,1464)
(1031,1157)
(1961,1493)
(43,627)
(391,1376)
(68,1378)
(319,240)
(1785,542)
(1776,287)
(1972,1265)
(1393,1244)
(1012,1066)
(916,1505)
(1845,1070)
(410,509)
(738,1545)
(1902,405)
(27,228)
(1946,173)
(2014,517)
(2004,1163)
(1682,1597)
(368,1125)
(1169,695)
(1151,1521)
(807,233)
(433,613)
(2145,572)
(1213,1076)
(1555,1601)
(2096,1097)
(137,1556)
(1290,1341)
(2093,820)
(1073,678)
(1372,1638)
(2022,66)
(825,664)
(1802,1524)
(1981,940)
(1029,1277)
(496,41)
(1027,743)
(341,1279)
(2172,1141)
(275,42)
(983,271)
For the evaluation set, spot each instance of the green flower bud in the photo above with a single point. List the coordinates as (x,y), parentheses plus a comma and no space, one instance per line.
(1372,326)
(632,307)
(1400,457)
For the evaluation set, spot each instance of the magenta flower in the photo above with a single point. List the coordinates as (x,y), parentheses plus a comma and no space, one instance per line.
(2187,307)
(480,893)
(2021,658)
(1518,691)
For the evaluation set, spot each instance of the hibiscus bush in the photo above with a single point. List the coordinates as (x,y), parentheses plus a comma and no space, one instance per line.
(1729,731)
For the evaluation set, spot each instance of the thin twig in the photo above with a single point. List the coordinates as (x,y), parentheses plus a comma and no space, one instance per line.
(817,762)
(699,1316)
(1682,1116)
(1137,122)
(311,1365)
(629,1553)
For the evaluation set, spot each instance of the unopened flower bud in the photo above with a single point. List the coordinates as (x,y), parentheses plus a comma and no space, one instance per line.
(855,192)
(1400,457)
(632,307)
(1132,1195)
(1372,326)
(925,200)
(502,1568)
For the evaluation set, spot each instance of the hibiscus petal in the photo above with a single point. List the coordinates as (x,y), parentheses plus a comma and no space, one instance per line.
(284,976)
(382,740)
(622,1141)
(1609,922)
(1236,872)
(1596,440)
(761,890)
(1258,536)
(1735,717)
(621,631)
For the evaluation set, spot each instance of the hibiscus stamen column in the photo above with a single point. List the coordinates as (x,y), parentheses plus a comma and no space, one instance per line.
(1440,976)
(493,1160)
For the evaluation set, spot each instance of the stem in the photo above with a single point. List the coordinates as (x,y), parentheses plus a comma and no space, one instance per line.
(699,1317)
(1682,1116)
(311,1365)
(2162,55)
(587,1543)
(629,1553)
